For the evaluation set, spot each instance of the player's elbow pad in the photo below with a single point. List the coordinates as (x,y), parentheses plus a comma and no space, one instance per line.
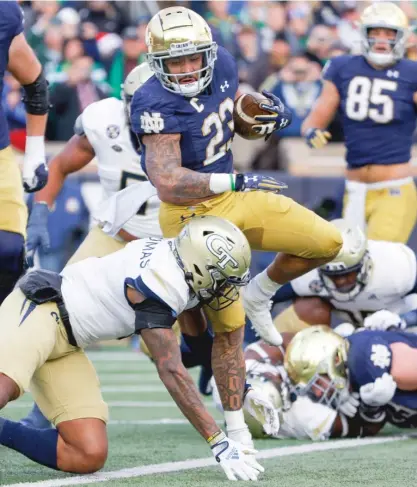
(36,96)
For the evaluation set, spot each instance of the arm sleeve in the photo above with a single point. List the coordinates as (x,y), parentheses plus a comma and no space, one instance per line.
(331,70)
(284,293)
(370,360)
(150,116)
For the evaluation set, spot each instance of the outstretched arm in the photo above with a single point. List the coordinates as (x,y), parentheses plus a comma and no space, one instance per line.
(163,346)
(324,109)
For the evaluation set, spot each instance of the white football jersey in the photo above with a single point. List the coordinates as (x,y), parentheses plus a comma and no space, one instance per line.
(391,279)
(306,419)
(94,289)
(105,126)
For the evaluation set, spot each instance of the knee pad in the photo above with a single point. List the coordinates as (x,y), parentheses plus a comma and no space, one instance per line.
(11,261)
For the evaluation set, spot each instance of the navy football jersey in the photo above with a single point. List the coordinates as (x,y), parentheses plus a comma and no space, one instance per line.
(205,122)
(369,357)
(11,24)
(377,108)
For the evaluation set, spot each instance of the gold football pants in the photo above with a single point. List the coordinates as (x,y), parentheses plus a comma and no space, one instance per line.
(270,222)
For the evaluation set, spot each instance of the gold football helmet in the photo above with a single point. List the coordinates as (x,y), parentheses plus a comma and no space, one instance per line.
(385,15)
(353,257)
(315,361)
(134,80)
(175,32)
(215,257)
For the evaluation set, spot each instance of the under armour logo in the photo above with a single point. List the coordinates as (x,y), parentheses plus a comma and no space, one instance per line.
(151,122)
(225,86)
(381,356)
(392,73)
(284,123)
(250,178)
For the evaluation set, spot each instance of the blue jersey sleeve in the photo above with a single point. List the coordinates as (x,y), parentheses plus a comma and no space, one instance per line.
(284,293)
(332,69)
(154,114)
(11,22)
(369,357)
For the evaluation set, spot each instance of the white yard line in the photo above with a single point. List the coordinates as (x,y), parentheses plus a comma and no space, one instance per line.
(114,404)
(127,388)
(152,422)
(204,462)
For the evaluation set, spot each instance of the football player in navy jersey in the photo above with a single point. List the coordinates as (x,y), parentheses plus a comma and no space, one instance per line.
(375,365)
(376,93)
(184,121)
(18,58)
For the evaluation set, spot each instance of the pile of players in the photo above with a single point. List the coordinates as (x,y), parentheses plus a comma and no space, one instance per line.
(135,275)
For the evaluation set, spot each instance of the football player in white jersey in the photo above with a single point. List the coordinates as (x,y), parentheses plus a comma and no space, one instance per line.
(101,131)
(50,318)
(300,416)
(373,276)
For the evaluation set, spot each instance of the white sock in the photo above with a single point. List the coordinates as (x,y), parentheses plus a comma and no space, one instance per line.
(262,287)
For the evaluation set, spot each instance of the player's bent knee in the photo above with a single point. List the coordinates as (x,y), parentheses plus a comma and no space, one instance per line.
(9,390)
(95,456)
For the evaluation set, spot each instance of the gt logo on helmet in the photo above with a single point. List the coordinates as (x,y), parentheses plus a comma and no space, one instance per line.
(219,247)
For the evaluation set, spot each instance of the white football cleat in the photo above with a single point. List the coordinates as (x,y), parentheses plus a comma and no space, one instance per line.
(260,316)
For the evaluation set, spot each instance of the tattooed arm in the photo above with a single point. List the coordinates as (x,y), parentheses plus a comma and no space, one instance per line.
(175,184)
(163,346)
(228,366)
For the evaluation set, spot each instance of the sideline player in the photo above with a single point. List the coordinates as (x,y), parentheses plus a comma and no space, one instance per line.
(18,58)
(375,276)
(51,318)
(377,94)
(183,117)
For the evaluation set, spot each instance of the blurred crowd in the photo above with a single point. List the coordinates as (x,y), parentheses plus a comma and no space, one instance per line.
(88,47)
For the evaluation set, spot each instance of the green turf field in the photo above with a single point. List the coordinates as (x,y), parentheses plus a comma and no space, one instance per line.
(150,443)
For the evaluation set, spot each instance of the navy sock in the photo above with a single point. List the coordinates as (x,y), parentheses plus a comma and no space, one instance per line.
(199,348)
(38,445)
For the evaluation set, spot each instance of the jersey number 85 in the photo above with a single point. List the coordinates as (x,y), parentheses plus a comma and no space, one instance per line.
(363,92)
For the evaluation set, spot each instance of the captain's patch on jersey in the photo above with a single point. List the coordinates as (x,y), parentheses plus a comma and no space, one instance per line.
(380,356)
(152,123)
(113,131)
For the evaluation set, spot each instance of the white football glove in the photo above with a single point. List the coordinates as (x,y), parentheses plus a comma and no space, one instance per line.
(383,320)
(261,408)
(350,404)
(237,461)
(380,392)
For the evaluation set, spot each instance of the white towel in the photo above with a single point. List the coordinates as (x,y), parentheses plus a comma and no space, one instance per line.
(114,212)
(354,211)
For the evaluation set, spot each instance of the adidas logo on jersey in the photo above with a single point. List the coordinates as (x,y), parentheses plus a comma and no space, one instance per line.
(152,123)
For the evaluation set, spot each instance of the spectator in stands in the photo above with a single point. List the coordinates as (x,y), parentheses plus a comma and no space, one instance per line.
(248,50)
(275,23)
(298,85)
(318,44)
(130,55)
(299,19)
(221,24)
(107,16)
(71,97)
(270,62)
(73,49)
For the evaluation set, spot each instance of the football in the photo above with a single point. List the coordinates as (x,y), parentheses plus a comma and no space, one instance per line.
(245,109)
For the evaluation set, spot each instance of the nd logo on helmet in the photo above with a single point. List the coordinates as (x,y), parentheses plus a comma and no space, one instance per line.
(219,247)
